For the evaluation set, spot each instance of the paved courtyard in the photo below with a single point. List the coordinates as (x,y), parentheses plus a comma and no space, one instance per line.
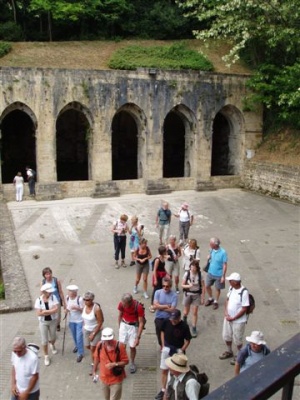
(72,236)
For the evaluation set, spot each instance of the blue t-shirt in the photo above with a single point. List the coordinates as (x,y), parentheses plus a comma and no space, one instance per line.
(217,259)
(163,298)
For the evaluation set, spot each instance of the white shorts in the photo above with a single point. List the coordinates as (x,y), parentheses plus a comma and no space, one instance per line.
(128,334)
(233,331)
(164,355)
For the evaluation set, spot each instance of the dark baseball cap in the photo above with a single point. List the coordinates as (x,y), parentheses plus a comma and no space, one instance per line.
(175,314)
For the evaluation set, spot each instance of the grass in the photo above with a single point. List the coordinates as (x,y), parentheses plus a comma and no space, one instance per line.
(96,54)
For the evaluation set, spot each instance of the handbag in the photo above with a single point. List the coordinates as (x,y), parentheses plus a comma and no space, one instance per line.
(206,268)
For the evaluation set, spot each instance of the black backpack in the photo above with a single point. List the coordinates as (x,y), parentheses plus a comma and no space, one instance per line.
(202,378)
(200,283)
(251,306)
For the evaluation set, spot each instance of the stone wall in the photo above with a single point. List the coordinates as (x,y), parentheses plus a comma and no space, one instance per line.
(197,97)
(273,180)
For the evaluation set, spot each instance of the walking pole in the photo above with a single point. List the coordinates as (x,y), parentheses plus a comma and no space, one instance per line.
(64,337)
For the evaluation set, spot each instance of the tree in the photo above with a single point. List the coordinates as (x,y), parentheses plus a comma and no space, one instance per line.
(266,33)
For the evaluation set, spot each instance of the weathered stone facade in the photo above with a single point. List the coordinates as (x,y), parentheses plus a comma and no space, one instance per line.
(147,96)
(273,180)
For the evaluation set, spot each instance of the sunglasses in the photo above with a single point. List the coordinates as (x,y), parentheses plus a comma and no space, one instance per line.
(87,299)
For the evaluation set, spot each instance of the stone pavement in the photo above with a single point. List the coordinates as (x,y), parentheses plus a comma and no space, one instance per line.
(72,236)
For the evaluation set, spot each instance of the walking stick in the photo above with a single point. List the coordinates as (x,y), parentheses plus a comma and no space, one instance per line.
(64,337)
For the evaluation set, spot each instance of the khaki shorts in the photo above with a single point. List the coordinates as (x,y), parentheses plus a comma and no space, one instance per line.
(191,300)
(172,268)
(142,268)
(87,341)
(233,332)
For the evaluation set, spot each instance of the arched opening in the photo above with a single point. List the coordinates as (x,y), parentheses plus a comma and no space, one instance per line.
(73,131)
(18,143)
(220,146)
(227,141)
(173,146)
(124,146)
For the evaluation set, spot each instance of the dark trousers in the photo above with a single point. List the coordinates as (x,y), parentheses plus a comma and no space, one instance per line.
(120,246)
(158,324)
(31,184)
(157,287)
(32,396)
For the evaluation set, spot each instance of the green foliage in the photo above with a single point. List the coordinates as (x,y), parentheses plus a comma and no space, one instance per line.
(2,292)
(279,90)
(177,56)
(4,48)
(10,31)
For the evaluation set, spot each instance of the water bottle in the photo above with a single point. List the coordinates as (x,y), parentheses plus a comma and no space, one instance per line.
(95,378)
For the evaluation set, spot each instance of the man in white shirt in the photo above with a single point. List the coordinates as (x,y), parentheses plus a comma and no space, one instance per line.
(25,372)
(182,383)
(235,318)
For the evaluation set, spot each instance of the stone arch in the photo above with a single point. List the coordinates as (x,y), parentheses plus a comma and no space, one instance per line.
(178,142)
(227,141)
(18,126)
(74,134)
(128,142)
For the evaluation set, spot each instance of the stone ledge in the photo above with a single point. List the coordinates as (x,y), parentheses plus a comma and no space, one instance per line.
(17,295)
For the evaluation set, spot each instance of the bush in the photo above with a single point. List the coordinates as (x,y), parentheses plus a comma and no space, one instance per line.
(4,48)
(177,56)
(2,292)
(11,32)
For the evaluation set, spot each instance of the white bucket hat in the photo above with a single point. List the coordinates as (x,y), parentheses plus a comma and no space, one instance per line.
(256,337)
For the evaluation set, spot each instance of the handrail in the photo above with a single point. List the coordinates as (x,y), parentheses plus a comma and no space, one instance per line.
(274,372)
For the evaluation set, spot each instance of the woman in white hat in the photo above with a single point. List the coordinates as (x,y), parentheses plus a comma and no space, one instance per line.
(46,308)
(253,352)
(74,309)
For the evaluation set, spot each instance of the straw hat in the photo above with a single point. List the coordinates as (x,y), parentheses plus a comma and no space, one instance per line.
(178,362)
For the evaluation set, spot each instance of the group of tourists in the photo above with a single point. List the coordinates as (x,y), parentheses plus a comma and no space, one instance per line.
(109,356)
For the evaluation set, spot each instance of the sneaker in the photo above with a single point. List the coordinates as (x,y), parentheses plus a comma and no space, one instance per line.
(75,350)
(135,290)
(160,395)
(53,349)
(132,263)
(117,265)
(194,332)
(123,264)
(47,361)
(215,306)
(209,302)
(146,296)
(151,309)
(132,368)
(177,290)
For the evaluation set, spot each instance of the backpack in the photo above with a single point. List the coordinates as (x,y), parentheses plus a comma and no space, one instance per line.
(202,378)
(200,283)
(153,262)
(251,306)
(136,311)
(33,173)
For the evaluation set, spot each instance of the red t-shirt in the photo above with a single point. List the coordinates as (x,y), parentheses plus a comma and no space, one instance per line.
(129,314)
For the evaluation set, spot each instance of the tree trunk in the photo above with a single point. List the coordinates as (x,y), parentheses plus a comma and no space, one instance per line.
(50,26)
(13,5)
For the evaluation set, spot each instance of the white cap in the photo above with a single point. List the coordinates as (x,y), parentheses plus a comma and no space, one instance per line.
(47,287)
(34,347)
(234,277)
(107,334)
(73,288)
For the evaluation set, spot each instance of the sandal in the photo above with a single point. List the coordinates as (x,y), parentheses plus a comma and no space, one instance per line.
(225,355)
(151,309)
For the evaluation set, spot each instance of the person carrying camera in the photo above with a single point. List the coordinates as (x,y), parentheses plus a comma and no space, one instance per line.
(112,357)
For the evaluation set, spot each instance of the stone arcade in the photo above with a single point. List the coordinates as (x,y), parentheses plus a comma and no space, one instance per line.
(103,133)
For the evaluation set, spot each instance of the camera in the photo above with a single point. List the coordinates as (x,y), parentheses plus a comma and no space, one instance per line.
(192,258)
